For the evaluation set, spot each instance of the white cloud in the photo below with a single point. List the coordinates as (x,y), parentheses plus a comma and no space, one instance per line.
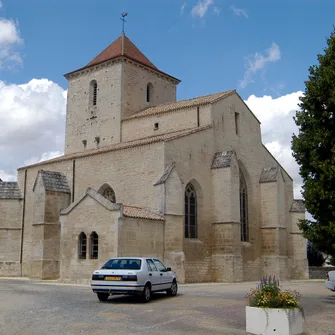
(182,8)
(239,11)
(278,126)
(32,123)
(255,63)
(4,176)
(9,41)
(44,157)
(201,8)
(8,32)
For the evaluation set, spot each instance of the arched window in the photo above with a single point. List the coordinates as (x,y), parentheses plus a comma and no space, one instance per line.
(149,92)
(93,92)
(244,208)
(106,191)
(109,194)
(94,245)
(190,212)
(82,246)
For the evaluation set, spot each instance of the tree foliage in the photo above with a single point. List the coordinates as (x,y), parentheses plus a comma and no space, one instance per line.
(314,256)
(314,150)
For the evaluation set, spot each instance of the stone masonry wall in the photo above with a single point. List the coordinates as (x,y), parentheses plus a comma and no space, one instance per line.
(136,128)
(88,216)
(141,238)
(85,121)
(297,248)
(131,173)
(319,272)
(10,236)
(253,157)
(135,80)
(193,155)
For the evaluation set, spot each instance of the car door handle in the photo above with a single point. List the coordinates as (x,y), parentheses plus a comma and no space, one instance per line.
(150,274)
(161,274)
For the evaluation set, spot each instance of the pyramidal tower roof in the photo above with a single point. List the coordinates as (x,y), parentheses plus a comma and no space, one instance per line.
(122,47)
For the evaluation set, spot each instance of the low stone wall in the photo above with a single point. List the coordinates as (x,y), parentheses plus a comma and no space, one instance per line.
(9,269)
(319,272)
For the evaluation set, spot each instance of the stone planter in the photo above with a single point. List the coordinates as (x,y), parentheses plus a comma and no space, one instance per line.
(274,321)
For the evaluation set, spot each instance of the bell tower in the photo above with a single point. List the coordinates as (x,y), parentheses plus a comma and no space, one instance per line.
(116,84)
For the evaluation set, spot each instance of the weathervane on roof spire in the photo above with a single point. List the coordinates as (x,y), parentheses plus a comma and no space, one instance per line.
(123,14)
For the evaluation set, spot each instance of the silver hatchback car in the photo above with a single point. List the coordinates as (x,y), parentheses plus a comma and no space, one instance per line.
(133,275)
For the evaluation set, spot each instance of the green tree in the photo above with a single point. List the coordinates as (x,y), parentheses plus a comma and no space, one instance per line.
(314,256)
(314,150)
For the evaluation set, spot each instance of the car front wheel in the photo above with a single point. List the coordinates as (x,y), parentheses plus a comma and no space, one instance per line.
(172,291)
(103,296)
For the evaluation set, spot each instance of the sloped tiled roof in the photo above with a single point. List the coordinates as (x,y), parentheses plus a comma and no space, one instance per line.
(222,159)
(124,145)
(141,213)
(55,181)
(269,175)
(128,211)
(114,50)
(171,106)
(130,51)
(298,206)
(9,190)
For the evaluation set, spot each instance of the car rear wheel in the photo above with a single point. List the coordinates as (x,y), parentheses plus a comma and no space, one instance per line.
(146,294)
(103,296)
(172,291)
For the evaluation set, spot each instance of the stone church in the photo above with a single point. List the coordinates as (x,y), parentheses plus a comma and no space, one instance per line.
(142,174)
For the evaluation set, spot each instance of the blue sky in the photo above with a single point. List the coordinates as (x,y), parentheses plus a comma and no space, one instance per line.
(208,50)
(262,48)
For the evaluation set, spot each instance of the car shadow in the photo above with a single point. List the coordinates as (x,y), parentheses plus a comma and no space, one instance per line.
(130,299)
(329,299)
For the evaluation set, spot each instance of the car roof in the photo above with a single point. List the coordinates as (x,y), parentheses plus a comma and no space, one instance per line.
(141,258)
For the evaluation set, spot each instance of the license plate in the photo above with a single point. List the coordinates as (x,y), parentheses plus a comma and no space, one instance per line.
(113,278)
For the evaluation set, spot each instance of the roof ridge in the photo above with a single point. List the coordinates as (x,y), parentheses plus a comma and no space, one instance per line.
(189,132)
(190,99)
(141,54)
(181,104)
(119,146)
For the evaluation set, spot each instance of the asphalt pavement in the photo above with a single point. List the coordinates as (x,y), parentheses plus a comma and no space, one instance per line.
(48,308)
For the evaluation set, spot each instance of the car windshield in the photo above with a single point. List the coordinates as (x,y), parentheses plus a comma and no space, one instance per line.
(123,264)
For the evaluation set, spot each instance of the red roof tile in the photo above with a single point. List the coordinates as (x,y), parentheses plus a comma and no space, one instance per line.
(130,51)
(114,50)
(141,213)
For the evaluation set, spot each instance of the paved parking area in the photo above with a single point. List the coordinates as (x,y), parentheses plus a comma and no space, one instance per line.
(36,308)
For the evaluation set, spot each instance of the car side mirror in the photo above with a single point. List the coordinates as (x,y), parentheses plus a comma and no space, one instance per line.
(168,269)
